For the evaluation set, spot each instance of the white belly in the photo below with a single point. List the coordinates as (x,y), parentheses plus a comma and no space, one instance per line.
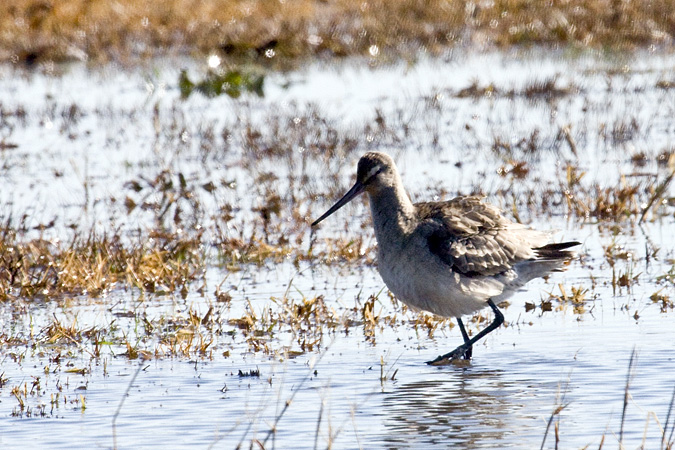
(420,280)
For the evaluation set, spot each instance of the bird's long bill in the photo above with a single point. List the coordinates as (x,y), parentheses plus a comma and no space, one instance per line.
(353,192)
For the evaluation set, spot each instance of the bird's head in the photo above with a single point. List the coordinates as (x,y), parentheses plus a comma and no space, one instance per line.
(375,171)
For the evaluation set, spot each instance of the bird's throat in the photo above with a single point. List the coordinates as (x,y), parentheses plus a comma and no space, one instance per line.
(392,212)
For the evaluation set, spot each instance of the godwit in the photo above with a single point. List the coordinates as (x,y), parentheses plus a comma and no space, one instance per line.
(450,258)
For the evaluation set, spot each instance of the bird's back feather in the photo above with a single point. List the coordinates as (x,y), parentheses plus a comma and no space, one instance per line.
(475,240)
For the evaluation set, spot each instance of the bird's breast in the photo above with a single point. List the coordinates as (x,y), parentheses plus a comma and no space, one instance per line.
(421,280)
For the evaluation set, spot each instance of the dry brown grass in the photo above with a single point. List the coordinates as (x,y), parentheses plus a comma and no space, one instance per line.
(277,230)
(39,268)
(35,30)
(166,263)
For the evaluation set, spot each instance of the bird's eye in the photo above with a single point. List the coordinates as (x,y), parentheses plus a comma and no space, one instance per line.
(372,173)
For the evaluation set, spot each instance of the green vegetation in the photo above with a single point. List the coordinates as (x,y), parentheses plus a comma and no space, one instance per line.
(232,83)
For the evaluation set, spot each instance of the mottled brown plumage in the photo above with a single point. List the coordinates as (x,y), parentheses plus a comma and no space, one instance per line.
(467,234)
(450,258)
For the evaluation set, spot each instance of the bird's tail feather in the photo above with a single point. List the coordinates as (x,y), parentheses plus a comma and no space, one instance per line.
(557,251)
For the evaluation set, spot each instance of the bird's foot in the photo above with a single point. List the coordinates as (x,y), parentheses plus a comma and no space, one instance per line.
(460,353)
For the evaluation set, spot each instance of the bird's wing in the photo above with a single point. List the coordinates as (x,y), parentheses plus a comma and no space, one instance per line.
(474,238)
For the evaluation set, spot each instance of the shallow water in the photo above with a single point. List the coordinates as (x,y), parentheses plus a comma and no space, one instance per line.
(71,169)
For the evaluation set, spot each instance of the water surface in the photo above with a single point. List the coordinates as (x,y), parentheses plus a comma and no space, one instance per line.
(73,167)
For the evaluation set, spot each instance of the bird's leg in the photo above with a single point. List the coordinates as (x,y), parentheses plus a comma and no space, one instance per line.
(465,335)
(462,350)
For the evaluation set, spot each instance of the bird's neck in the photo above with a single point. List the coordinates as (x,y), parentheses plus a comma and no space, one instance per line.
(392,212)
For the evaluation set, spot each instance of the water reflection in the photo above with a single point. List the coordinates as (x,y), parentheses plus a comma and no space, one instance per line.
(465,408)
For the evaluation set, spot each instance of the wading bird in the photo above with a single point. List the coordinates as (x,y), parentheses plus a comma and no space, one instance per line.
(450,258)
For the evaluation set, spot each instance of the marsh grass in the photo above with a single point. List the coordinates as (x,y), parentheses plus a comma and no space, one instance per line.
(296,161)
(38,31)
(93,265)
(191,223)
(281,328)
(546,89)
(292,163)
(666,429)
